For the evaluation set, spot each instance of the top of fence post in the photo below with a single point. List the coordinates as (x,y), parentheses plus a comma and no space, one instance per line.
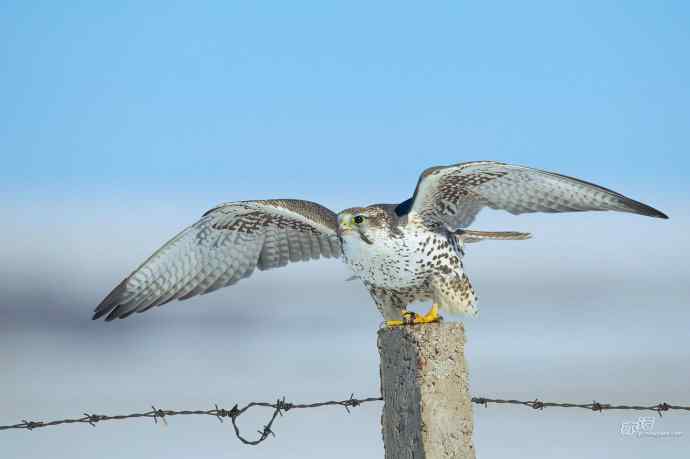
(427,405)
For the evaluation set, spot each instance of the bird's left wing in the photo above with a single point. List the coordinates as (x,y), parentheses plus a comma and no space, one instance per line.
(455,194)
(224,246)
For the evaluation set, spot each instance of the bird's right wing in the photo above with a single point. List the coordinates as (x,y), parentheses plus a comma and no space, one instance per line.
(224,246)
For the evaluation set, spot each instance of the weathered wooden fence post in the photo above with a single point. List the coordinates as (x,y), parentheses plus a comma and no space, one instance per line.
(427,412)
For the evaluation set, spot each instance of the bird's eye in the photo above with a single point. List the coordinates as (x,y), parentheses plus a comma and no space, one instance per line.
(359,219)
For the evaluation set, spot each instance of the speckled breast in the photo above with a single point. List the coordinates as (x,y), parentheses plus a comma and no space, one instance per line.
(399,262)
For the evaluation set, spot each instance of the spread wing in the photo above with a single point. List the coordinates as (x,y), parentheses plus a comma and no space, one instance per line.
(224,246)
(455,194)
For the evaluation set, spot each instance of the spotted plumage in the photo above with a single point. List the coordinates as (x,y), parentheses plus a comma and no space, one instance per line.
(402,253)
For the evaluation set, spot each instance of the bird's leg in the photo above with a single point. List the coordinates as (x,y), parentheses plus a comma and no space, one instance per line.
(408,318)
(411,318)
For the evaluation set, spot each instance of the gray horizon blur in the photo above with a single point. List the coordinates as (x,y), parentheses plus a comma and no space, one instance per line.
(593,307)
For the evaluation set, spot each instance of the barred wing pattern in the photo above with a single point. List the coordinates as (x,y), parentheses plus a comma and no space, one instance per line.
(455,194)
(224,246)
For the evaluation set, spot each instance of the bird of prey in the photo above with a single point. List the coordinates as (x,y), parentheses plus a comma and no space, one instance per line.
(402,253)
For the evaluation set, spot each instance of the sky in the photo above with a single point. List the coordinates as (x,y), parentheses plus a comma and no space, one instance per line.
(124,122)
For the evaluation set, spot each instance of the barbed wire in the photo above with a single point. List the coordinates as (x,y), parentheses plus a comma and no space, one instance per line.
(594,406)
(280,407)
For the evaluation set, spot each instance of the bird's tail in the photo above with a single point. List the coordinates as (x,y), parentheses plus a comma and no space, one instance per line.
(469,236)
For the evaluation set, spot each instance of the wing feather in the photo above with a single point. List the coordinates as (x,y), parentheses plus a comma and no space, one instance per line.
(226,245)
(455,194)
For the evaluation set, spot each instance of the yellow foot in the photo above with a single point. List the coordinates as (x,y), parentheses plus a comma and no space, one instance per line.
(411,318)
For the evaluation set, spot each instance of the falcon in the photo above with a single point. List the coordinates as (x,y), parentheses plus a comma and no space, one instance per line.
(402,253)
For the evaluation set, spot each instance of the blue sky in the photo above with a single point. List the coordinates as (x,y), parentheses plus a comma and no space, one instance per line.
(341,99)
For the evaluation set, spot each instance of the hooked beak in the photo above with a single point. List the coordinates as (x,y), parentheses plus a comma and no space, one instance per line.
(345,223)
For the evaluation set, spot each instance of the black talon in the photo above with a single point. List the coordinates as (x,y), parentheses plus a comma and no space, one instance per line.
(408,317)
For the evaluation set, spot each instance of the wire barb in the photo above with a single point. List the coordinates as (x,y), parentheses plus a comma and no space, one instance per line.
(280,407)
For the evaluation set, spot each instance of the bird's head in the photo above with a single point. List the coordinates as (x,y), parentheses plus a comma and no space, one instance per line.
(366,223)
